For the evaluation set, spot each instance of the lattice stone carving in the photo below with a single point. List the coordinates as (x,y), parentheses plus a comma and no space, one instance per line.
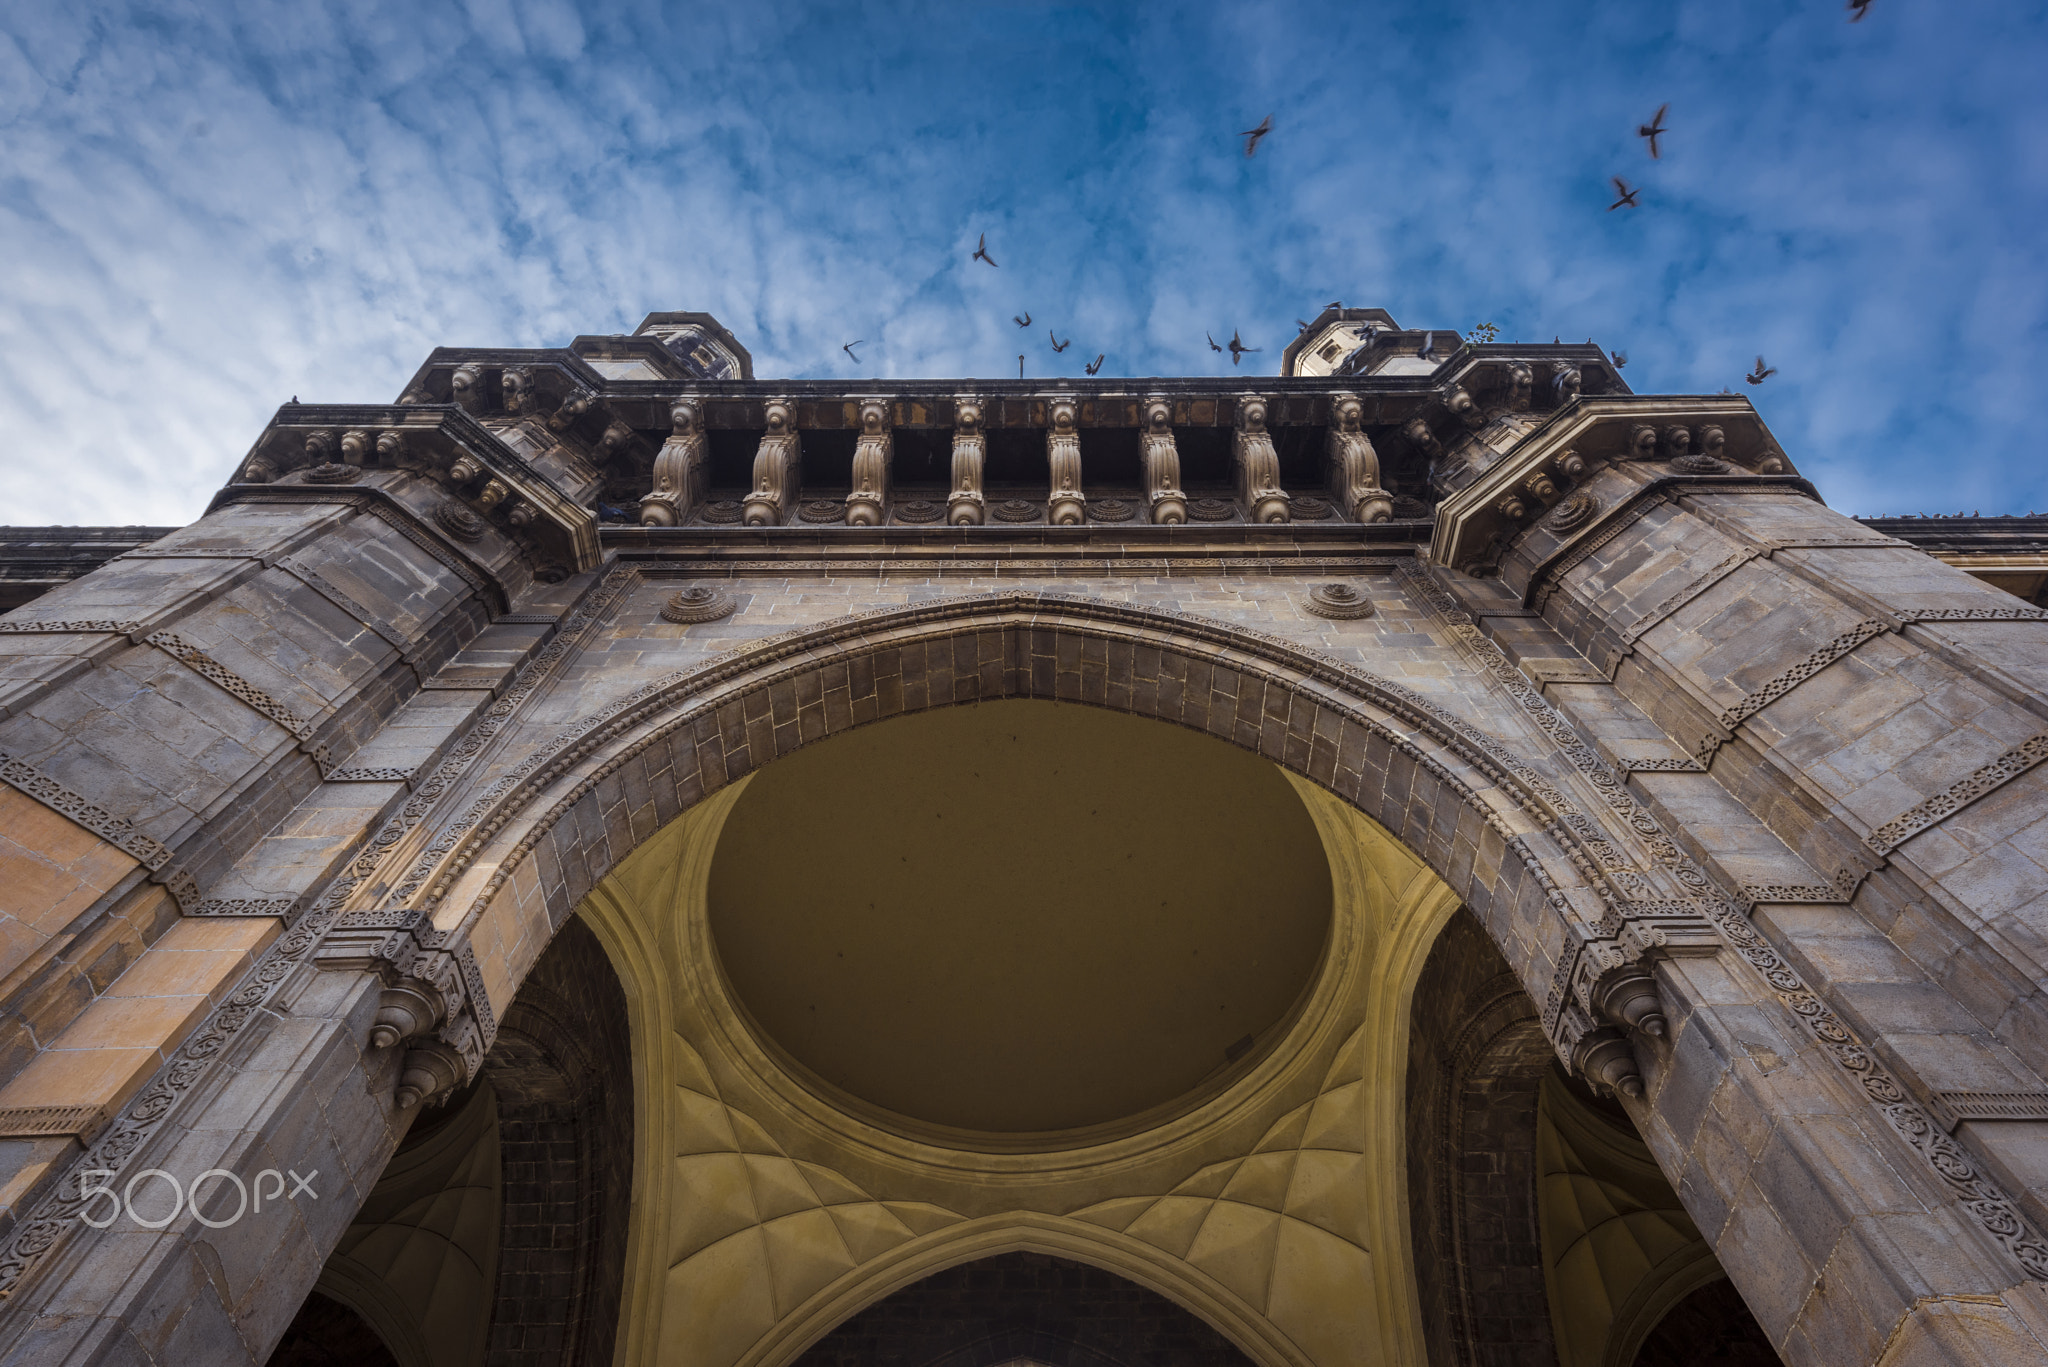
(391,774)
(69,626)
(284,908)
(145,850)
(1798,674)
(218,674)
(40,1122)
(1959,795)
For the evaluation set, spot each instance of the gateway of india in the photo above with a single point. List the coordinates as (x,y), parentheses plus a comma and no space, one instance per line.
(1432,858)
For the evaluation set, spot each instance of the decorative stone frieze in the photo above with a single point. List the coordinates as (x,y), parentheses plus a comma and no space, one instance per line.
(1256,464)
(778,470)
(873,456)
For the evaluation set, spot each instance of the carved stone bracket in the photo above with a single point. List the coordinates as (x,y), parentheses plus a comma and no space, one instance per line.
(778,469)
(682,470)
(1161,462)
(1066,506)
(432,1000)
(964,508)
(1257,464)
(1353,465)
(873,451)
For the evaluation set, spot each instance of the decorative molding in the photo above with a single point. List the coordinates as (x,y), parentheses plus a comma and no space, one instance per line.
(68,627)
(1341,602)
(459,520)
(2021,613)
(218,674)
(385,775)
(49,1122)
(918,511)
(284,908)
(1574,510)
(698,604)
(1015,510)
(1959,795)
(1961,1106)
(145,850)
(1211,509)
(1683,765)
(527,619)
(1798,674)
(1705,580)
(1807,894)
(722,512)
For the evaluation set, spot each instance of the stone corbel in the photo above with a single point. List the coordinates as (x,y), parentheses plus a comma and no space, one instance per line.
(682,470)
(873,452)
(1520,388)
(1161,463)
(1603,1057)
(515,387)
(466,388)
(1565,383)
(964,508)
(1462,406)
(1354,467)
(1257,464)
(430,1002)
(1066,506)
(573,406)
(778,469)
(358,447)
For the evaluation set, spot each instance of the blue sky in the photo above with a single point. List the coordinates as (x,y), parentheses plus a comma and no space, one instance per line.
(207,208)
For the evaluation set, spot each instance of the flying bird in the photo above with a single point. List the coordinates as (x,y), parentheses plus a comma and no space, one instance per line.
(1761,373)
(1238,348)
(1655,129)
(1620,358)
(848,347)
(1428,351)
(1628,196)
(1861,8)
(981,251)
(1096,366)
(1023,322)
(1212,347)
(1252,135)
(1057,344)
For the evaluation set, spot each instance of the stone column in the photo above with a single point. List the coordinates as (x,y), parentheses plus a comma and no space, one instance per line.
(1354,467)
(1845,733)
(965,507)
(682,470)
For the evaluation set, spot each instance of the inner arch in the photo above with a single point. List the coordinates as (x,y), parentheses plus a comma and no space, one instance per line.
(1019,916)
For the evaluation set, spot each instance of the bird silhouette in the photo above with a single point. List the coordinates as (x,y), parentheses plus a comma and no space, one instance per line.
(848,347)
(1238,348)
(1096,366)
(295,398)
(1620,358)
(1252,135)
(1212,347)
(1655,129)
(1761,373)
(1428,351)
(1628,196)
(1057,344)
(1861,8)
(1023,322)
(981,251)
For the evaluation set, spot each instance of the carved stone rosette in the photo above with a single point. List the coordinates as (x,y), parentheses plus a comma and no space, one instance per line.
(431,999)
(1257,464)
(872,454)
(1161,464)
(1066,506)
(778,469)
(1354,467)
(970,448)
(682,469)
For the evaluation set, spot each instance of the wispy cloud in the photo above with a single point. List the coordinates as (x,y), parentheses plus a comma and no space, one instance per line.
(206,209)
